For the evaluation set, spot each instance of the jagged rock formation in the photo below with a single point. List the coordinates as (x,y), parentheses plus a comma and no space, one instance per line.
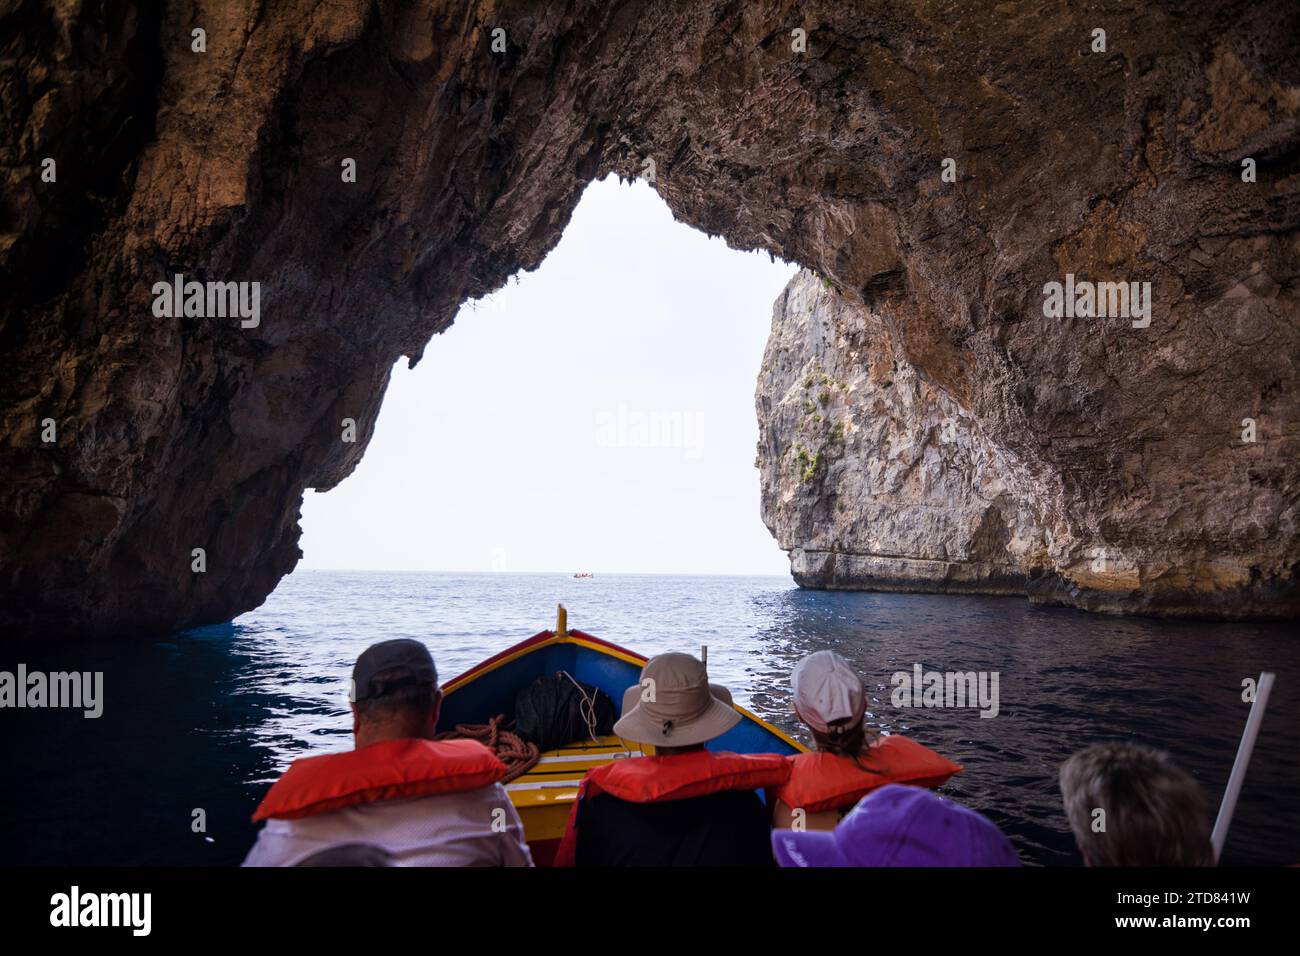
(873,478)
(179,433)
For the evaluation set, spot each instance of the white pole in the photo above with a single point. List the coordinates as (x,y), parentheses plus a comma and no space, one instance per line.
(1238,775)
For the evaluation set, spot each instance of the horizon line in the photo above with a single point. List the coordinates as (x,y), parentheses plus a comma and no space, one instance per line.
(665,574)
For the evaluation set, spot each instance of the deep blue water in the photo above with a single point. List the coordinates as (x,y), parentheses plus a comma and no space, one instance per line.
(205,720)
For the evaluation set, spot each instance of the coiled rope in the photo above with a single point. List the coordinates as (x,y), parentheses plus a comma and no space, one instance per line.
(587,708)
(517,754)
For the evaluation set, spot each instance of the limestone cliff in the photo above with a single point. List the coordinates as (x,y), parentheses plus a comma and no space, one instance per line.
(873,478)
(212,140)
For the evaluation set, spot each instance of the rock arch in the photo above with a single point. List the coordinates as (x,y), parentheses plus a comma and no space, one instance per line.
(225,165)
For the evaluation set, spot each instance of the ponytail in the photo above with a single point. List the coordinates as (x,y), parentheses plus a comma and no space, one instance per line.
(847,738)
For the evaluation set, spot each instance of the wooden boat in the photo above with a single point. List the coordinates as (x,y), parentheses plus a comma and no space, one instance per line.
(545,795)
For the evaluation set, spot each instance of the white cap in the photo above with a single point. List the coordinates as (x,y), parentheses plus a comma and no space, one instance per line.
(827,690)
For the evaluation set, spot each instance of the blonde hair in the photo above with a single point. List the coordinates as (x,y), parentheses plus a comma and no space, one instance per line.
(1155,813)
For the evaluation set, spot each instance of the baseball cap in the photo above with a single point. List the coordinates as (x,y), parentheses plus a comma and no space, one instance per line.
(827,690)
(402,652)
(898,825)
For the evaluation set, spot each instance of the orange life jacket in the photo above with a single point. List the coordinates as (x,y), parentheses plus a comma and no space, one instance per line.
(389,770)
(822,781)
(673,777)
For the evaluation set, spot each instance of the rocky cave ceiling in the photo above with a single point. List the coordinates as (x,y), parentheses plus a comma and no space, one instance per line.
(1082,436)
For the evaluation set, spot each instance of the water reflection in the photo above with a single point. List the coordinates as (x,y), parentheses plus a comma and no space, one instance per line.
(208,719)
(1066,679)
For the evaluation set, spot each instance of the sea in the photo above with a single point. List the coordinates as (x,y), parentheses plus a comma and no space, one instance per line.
(195,728)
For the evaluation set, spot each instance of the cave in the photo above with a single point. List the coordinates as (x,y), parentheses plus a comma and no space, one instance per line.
(371,166)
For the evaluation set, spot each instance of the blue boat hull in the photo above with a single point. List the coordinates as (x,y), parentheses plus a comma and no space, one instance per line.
(490,688)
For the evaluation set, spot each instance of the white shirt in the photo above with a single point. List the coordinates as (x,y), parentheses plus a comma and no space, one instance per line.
(472,828)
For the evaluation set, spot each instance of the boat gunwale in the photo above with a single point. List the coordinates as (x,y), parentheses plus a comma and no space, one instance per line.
(583,639)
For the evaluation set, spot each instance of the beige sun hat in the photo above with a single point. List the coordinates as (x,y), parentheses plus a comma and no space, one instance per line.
(674,705)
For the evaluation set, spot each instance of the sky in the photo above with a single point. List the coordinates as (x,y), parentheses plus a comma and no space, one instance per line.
(596,414)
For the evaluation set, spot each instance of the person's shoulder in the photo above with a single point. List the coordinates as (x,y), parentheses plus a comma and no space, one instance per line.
(492,793)
(735,798)
(736,807)
(603,810)
(602,803)
(493,796)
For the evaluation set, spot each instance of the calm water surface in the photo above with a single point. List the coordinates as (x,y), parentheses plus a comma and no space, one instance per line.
(196,727)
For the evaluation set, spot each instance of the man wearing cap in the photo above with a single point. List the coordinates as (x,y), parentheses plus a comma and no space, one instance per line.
(417,801)
(848,762)
(898,825)
(684,806)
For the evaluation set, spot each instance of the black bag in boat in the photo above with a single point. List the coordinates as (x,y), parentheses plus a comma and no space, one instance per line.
(554,711)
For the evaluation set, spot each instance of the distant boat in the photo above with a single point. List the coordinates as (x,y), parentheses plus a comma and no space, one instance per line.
(583,574)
